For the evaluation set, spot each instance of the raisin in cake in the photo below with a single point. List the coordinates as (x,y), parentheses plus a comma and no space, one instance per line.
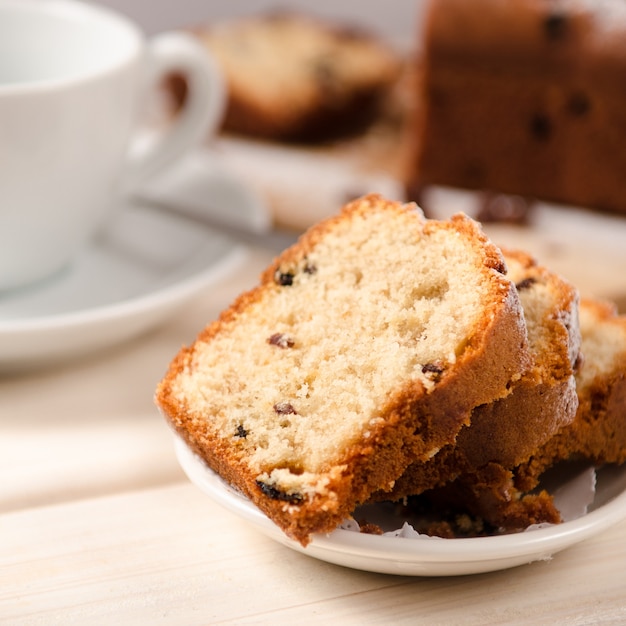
(508,431)
(364,348)
(294,77)
(524,97)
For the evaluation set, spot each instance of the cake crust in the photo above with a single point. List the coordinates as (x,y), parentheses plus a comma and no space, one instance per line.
(598,432)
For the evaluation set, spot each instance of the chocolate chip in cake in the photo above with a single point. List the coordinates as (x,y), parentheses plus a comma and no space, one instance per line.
(285,408)
(284,279)
(281,340)
(555,26)
(309,268)
(526,283)
(276,494)
(475,173)
(433,370)
(541,127)
(498,265)
(241,432)
(578,104)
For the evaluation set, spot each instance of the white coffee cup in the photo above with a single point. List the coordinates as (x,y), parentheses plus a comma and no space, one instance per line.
(73,77)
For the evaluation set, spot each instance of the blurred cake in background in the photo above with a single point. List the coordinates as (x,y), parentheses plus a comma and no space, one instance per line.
(524,97)
(297,78)
(315,111)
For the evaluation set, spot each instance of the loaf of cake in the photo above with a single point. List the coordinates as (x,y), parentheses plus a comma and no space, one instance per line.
(523,97)
(298,78)
(544,400)
(364,349)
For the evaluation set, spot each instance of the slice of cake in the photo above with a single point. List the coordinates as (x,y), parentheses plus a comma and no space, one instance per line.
(294,77)
(524,97)
(598,432)
(364,348)
(544,400)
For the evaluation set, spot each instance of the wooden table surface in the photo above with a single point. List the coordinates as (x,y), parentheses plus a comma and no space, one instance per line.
(98,524)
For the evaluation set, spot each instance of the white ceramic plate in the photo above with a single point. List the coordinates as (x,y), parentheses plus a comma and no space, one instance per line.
(145,266)
(426,556)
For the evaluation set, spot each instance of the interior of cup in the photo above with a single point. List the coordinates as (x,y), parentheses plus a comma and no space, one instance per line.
(44,41)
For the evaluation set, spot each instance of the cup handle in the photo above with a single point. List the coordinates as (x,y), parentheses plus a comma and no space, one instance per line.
(198,119)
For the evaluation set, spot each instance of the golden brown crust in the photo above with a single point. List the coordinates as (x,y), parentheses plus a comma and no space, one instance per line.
(544,400)
(412,421)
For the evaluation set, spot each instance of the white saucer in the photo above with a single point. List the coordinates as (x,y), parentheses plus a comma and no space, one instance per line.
(145,266)
(426,556)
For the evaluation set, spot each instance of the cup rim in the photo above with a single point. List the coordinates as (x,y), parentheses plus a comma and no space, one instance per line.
(75,8)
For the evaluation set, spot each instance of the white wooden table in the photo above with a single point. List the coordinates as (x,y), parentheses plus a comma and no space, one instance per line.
(98,525)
